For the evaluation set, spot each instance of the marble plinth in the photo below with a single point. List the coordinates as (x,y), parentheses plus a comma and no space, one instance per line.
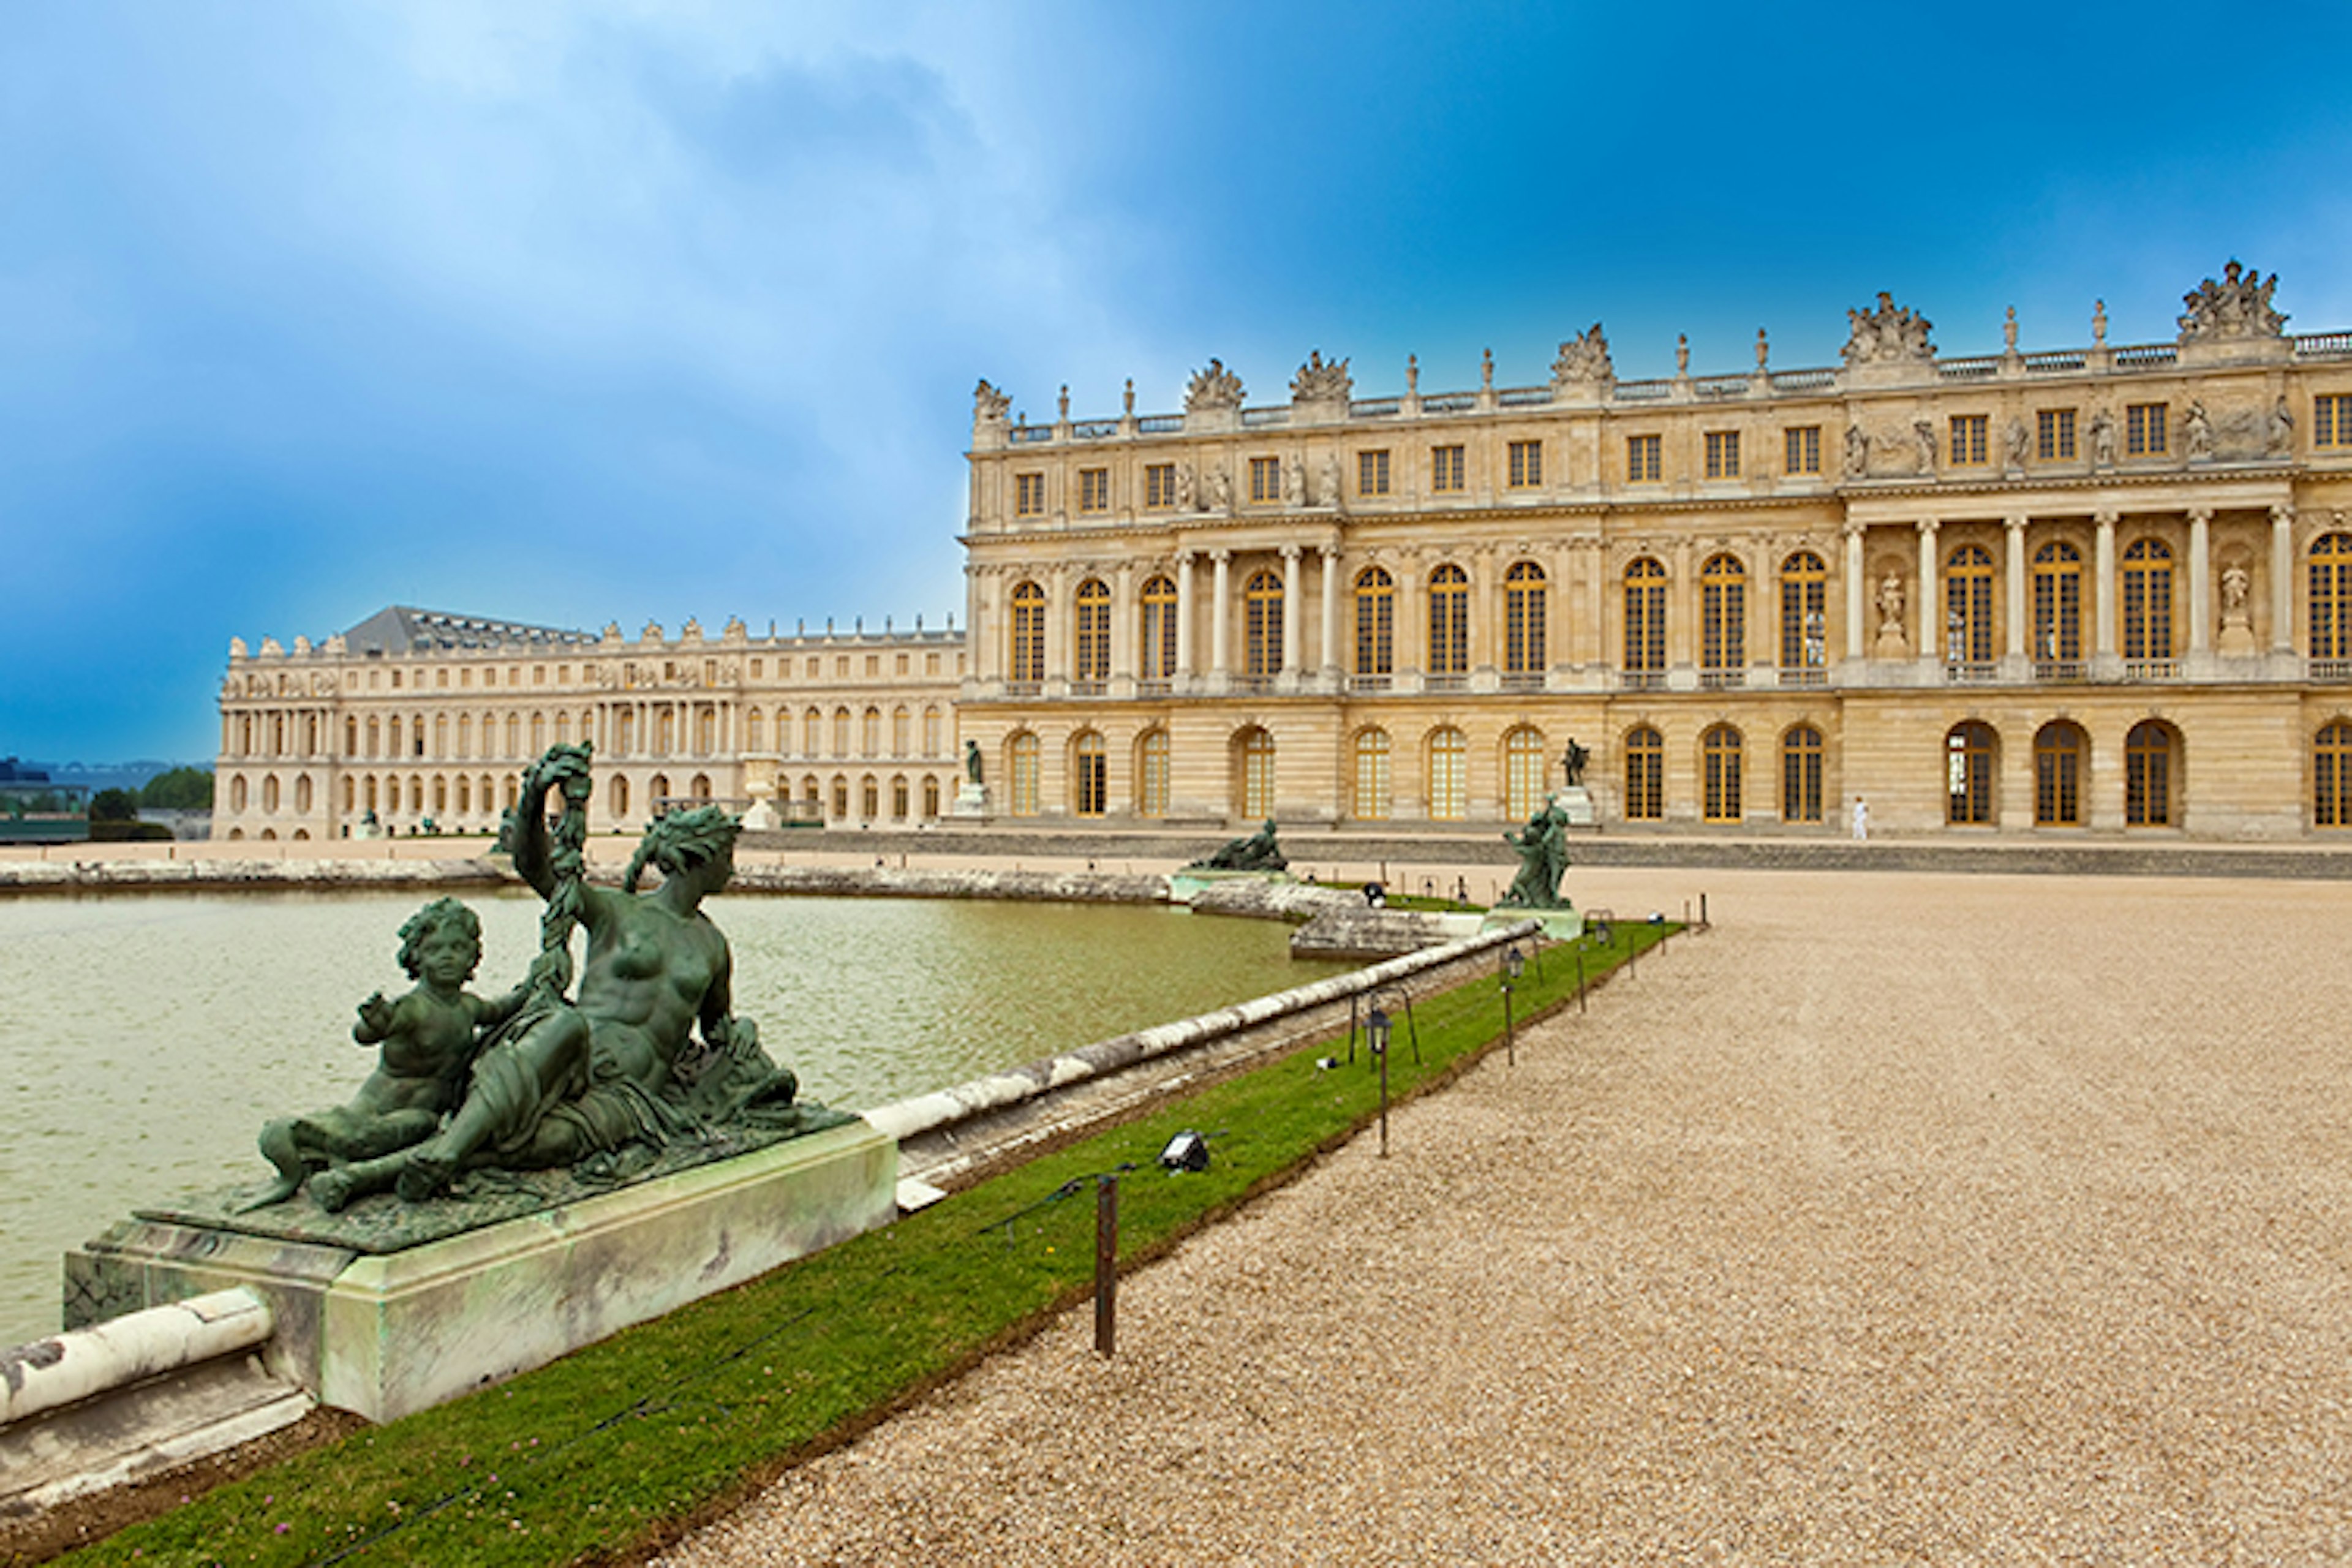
(1186,885)
(1559,925)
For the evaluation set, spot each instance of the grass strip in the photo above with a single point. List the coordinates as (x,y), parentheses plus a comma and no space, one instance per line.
(627,1442)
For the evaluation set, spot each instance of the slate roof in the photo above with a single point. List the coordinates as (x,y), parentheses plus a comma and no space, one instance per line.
(398,629)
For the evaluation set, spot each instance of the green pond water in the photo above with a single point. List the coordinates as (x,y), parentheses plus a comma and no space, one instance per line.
(145,1038)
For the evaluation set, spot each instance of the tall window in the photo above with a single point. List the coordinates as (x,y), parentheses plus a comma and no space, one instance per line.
(1373,472)
(1723,454)
(1527,465)
(902,731)
(1645,775)
(2331,597)
(1090,768)
(1526,768)
(1801,451)
(1094,494)
(1375,622)
(2053,434)
(1523,619)
(2058,601)
(1262,624)
(1971,751)
(1092,647)
(1028,495)
(1152,773)
(841,731)
(871,733)
(2149,753)
(1720,751)
(1020,757)
(1971,440)
(2331,776)
(1801,774)
(930,732)
(2145,428)
(2331,420)
(1644,461)
(1255,759)
(1158,486)
(1968,604)
(1449,785)
(1645,616)
(1266,478)
(1804,612)
(1723,613)
(1373,782)
(1158,628)
(2058,751)
(1447,471)
(2148,599)
(1449,621)
(1028,631)
(811,734)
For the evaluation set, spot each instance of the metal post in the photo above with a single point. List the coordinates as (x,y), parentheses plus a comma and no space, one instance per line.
(1510,1037)
(1106,1264)
(1384,1102)
(1579,977)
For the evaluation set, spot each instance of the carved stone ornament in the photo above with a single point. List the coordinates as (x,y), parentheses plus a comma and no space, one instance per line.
(989,407)
(1584,358)
(1891,333)
(1216,387)
(1318,381)
(2239,306)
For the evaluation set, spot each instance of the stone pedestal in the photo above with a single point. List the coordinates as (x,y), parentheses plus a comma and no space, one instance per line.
(1188,884)
(1576,803)
(2236,639)
(970,801)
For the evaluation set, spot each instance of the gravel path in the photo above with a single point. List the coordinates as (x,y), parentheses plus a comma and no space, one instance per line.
(1899,1219)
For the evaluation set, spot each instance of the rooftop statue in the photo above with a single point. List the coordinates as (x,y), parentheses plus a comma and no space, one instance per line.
(2239,306)
(1584,358)
(1543,861)
(1891,331)
(1216,387)
(1258,852)
(1321,381)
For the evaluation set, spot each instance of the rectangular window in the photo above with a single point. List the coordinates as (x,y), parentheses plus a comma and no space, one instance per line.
(2053,434)
(1160,485)
(1028,495)
(2331,420)
(1265,479)
(1094,490)
(1527,465)
(1723,454)
(1372,473)
(1643,464)
(1804,449)
(1446,469)
(2145,426)
(1971,441)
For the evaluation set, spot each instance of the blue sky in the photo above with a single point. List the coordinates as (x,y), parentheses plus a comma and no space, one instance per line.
(623,310)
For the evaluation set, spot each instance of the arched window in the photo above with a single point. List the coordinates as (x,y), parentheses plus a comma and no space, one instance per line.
(1262,624)
(1090,775)
(350,737)
(1719,757)
(616,796)
(812,800)
(869,797)
(657,798)
(2058,603)
(1804,615)
(269,793)
(374,736)
(1253,774)
(514,736)
(1526,770)
(664,729)
(902,726)
(2059,748)
(465,734)
(840,797)
(1646,617)
(2152,773)
(1021,755)
(2331,776)
(2331,597)
(625,731)
(465,796)
(1645,775)
(931,795)
(1723,614)
(392,750)
(811,734)
(1523,622)
(440,735)
(930,732)
(1158,628)
(1028,631)
(1449,785)
(841,731)
(1093,647)
(755,730)
(1967,605)
(1449,621)
(440,794)
(870,733)
(350,795)
(1373,782)
(706,730)
(1375,623)
(371,791)
(700,787)
(1800,774)
(1152,773)
(1971,753)
(898,799)
(2148,599)
(416,795)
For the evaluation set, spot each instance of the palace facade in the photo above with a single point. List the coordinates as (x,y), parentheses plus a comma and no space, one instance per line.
(2104,589)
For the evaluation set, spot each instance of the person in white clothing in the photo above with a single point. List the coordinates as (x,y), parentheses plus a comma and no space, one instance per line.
(1861,819)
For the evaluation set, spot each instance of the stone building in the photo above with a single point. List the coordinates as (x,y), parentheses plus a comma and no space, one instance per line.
(419,717)
(2102,589)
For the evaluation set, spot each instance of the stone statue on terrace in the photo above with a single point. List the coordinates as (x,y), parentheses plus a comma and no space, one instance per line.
(1258,852)
(1543,861)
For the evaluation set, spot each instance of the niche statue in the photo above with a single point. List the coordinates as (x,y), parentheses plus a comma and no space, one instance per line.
(1258,852)
(1543,861)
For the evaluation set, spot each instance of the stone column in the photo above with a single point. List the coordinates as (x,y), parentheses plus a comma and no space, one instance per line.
(1682,608)
(1930,613)
(1291,605)
(1329,555)
(2200,579)
(1184,670)
(2105,586)
(2013,581)
(1219,613)
(1122,622)
(1855,592)
(2282,579)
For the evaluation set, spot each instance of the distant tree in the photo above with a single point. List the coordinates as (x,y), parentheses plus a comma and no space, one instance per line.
(114,805)
(179,789)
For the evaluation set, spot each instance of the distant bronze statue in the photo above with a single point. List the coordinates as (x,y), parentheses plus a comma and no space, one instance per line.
(1543,861)
(972,761)
(1574,764)
(1258,852)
